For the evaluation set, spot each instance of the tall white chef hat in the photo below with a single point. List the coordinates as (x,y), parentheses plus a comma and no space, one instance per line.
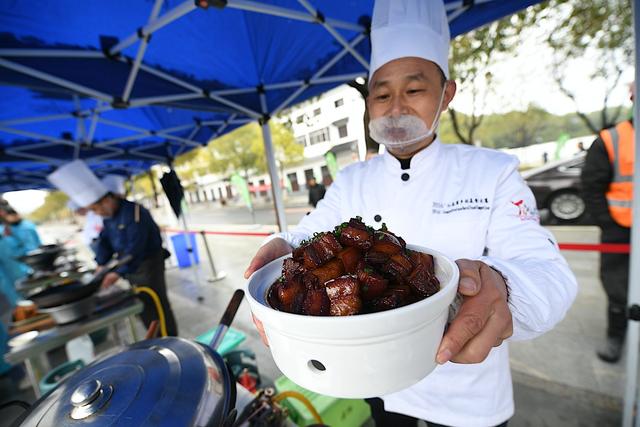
(79,183)
(72,205)
(115,183)
(409,28)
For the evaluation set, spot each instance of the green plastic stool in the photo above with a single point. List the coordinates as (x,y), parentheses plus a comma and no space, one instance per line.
(59,374)
(334,411)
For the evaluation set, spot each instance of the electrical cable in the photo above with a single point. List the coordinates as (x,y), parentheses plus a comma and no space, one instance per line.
(156,299)
(295,395)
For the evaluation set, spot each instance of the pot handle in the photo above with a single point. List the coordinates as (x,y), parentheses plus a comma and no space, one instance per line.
(227,318)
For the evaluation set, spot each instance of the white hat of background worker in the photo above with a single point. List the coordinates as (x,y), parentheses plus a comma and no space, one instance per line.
(115,184)
(72,205)
(409,28)
(76,180)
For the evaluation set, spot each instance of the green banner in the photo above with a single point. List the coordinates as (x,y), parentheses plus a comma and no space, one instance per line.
(560,143)
(241,185)
(287,184)
(332,164)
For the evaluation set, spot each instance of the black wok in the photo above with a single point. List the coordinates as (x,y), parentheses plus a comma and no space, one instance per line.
(64,294)
(78,289)
(43,258)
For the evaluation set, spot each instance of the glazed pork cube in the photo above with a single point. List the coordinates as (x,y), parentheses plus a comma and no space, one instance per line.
(291,268)
(399,266)
(387,301)
(350,257)
(355,233)
(321,275)
(290,294)
(344,296)
(321,249)
(316,302)
(372,284)
(422,279)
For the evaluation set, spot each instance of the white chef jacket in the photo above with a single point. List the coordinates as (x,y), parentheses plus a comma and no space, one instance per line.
(465,202)
(92,227)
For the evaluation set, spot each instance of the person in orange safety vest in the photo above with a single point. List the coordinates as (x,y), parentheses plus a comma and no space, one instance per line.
(607,181)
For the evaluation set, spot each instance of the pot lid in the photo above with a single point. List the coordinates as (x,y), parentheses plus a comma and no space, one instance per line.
(160,382)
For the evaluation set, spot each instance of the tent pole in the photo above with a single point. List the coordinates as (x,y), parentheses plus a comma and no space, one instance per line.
(633,329)
(273,174)
(55,80)
(139,102)
(51,53)
(172,15)
(267,9)
(35,119)
(336,35)
(142,47)
(316,75)
(37,136)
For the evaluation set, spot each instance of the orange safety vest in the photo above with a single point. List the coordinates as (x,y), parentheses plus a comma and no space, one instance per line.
(620,144)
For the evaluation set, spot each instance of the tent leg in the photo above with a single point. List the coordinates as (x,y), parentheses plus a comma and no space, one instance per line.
(192,255)
(215,275)
(633,330)
(275,179)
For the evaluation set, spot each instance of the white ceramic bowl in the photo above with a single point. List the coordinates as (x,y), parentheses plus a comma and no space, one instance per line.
(365,355)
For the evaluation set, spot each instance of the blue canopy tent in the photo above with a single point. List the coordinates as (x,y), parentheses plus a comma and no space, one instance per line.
(126,84)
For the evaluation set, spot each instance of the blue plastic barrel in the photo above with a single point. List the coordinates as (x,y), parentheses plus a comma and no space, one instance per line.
(185,259)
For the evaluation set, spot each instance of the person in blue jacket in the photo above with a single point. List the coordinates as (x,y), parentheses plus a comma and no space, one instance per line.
(22,229)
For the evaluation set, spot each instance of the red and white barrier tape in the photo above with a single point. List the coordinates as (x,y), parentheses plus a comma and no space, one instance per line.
(615,248)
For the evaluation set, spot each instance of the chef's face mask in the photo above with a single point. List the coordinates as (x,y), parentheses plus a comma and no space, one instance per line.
(402,132)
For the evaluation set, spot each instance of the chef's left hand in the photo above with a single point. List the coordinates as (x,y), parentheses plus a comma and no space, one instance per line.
(109,280)
(484,319)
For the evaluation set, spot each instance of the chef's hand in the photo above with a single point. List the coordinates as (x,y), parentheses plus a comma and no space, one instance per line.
(260,329)
(267,253)
(109,280)
(484,319)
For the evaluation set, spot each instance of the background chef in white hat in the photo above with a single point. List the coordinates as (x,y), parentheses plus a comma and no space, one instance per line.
(468,203)
(92,221)
(128,229)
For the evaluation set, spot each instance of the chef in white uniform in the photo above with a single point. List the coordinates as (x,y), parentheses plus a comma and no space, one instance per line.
(469,203)
(92,221)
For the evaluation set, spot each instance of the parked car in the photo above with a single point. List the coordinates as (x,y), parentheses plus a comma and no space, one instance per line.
(557,187)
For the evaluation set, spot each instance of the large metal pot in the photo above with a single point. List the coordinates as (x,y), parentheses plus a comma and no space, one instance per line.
(161,382)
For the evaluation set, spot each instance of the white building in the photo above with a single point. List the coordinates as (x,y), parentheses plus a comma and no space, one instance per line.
(332,121)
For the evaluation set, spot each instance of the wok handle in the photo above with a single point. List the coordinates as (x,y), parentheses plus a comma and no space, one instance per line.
(110,266)
(227,318)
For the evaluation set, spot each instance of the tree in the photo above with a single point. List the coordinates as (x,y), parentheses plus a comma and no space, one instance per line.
(601,29)
(54,203)
(243,150)
(471,56)
(522,128)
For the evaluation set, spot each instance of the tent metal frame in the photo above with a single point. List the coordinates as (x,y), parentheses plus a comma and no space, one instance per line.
(241,114)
